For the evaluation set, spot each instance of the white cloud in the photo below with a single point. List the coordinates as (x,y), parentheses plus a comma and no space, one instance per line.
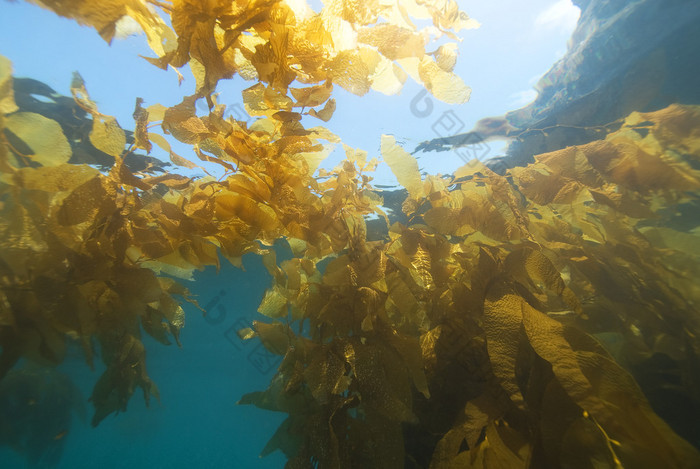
(562,16)
(523,98)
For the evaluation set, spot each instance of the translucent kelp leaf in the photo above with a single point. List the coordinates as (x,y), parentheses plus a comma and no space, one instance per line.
(43,135)
(596,384)
(503,446)
(326,113)
(243,65)
(445,14)
(403,165)
(542,272)
(251,185)
(257,215)
(674,126)
(312,96)
(421,272)
(7,99)
(384,388)
(175,116)
(261,100)
(384,75)
(584,440)
(444,220)
(171,264)
(314,159)
(355,11)
(401,296)
(87,202)
(393,42)
(274,304)
(275,398)
(275,337)
(470,170)
(80,94)
(340,272)
(107,136)
(410,349)
(126,369)
(387,77)
(644,439)
(446,56)
(687,243)
(326,374)
(444,85)
(502,324)
(104,15)
(288,437)
(65,177)
(246,333)
(156,112)
(634,167)
(152,324)
(141,132)
(348,69)
(546,336)
(478,253)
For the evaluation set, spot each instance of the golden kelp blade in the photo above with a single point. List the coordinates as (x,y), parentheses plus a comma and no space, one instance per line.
(403,165)
(7,101)
(141,132)
(277,43)
(43,136)
(104,15)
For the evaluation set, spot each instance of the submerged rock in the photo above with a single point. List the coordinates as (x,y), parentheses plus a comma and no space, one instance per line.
(622,57)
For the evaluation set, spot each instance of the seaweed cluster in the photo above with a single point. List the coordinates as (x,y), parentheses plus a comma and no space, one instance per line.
(467,338)
(492,329)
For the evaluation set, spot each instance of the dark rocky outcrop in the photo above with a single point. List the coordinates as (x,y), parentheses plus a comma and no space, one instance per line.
(624,56)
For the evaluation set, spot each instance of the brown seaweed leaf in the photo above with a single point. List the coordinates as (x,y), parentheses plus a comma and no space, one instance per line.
(126,368)
(590,379)
(312,96)
(106,135)
(502,447)
(277,43)
(502,325)
(141,132)
(105,16)
(541,272)
(43,136)
(403,165)
(7,100)
(326,113)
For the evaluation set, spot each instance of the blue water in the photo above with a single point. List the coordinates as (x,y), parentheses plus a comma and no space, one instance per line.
(197,422)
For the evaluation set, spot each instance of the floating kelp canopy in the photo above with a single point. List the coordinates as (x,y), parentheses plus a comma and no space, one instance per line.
(472,335)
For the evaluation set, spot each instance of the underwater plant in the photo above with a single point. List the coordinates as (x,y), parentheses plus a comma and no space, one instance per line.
(36,408)
(471,335)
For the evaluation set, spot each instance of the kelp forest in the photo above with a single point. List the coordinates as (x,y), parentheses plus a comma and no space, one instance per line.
(528,319)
